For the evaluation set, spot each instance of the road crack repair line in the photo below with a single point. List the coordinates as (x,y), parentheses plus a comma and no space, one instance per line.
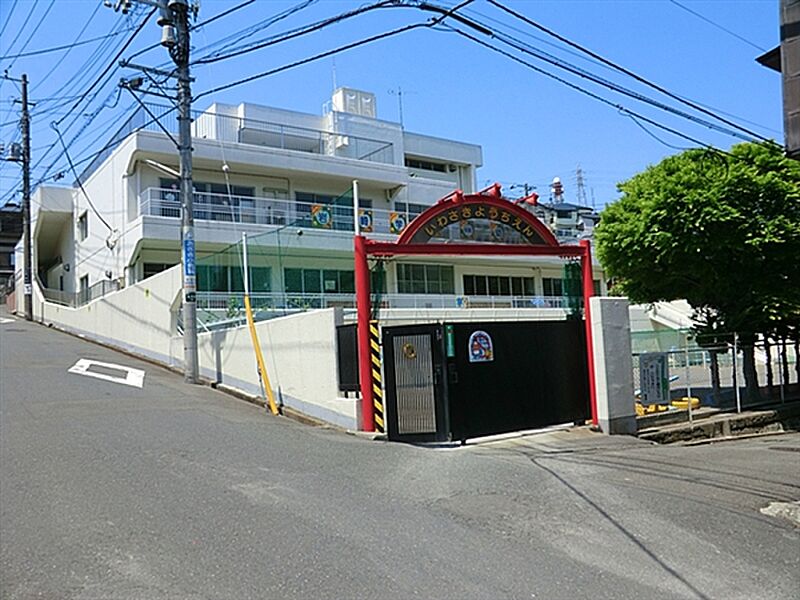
(103,370)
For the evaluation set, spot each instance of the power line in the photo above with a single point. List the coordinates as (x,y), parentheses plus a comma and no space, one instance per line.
(65,46)
(78,180)
(566,66)
(621,69)
(297,63)
(8,19)
(197,26)
(35,29)
(113,62)
(224,13)
(718,26)
(300,31)
(653,135)
(597,97)
(21,29)
(243,34)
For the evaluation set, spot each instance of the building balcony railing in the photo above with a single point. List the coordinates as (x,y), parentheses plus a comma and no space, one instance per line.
(75,299)
(161,202)
(225,309)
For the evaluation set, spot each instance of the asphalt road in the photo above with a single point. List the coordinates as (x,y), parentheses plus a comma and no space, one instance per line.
(173,491)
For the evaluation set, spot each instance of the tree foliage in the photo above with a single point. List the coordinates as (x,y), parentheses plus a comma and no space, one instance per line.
(721,231)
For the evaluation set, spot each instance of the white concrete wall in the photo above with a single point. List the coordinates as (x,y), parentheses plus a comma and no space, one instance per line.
(300,355)
(300,350)
(613,365)
(137,319)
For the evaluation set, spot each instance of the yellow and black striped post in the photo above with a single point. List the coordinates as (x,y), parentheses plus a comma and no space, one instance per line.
(377,382)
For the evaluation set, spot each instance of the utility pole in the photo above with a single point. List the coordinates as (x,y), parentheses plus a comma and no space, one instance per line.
(26,200)
(180,56)
(25,159)
(174,21)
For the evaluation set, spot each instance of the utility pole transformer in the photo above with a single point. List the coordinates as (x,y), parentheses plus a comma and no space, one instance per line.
(174,21)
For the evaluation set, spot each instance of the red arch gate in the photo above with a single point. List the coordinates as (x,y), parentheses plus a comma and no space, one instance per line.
(535,238)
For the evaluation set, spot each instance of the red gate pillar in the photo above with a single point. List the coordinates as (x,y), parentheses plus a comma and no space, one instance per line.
(588,292)
(363,310)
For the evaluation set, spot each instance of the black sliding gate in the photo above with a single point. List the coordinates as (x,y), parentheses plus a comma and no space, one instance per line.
(464,380)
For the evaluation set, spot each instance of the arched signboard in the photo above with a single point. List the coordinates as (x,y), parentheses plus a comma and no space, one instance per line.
(424,236)
(466,211)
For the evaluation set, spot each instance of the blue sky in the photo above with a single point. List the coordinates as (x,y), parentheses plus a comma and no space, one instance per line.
(531,127)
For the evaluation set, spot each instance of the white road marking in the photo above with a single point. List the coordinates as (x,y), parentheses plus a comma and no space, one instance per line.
(132,377)
(4,321)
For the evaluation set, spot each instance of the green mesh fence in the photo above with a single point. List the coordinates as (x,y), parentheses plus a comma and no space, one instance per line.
(285,275)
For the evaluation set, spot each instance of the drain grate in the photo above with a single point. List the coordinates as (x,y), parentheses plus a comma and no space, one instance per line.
(786,448)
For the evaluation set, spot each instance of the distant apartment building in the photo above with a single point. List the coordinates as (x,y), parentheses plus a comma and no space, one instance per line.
(10,234)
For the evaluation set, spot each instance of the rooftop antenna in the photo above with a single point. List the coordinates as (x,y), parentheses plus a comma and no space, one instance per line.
(399,93)
(333,73)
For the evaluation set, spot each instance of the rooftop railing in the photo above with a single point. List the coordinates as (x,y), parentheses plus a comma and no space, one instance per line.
(231,128)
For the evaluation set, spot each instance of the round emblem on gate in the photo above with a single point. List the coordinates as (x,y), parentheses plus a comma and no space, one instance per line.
(409,351)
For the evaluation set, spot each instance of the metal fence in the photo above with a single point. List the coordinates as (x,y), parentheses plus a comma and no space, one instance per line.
(232,128)
(715,375)
(75,299)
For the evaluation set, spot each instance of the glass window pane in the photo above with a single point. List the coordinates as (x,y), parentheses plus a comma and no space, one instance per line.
(505,286)
(494,285)
(480,285)
(260,279)
(237,279)
(469,284)
(417,273)
(312,283)
(448,280)
(516,286)
(347,282)
(330,281)
(529,286)
(293,280)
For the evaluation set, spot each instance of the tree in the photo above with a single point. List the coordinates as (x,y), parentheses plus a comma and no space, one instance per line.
(721,230)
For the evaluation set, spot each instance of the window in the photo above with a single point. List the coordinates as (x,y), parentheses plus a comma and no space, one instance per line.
(319,281)
(410,209)
(341,209)
(151,269)
(552,286)
(425,279)
(83,226)
(426,165)
(596,287)
(84,289)
(498,285)
(222,278)
(212,200)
